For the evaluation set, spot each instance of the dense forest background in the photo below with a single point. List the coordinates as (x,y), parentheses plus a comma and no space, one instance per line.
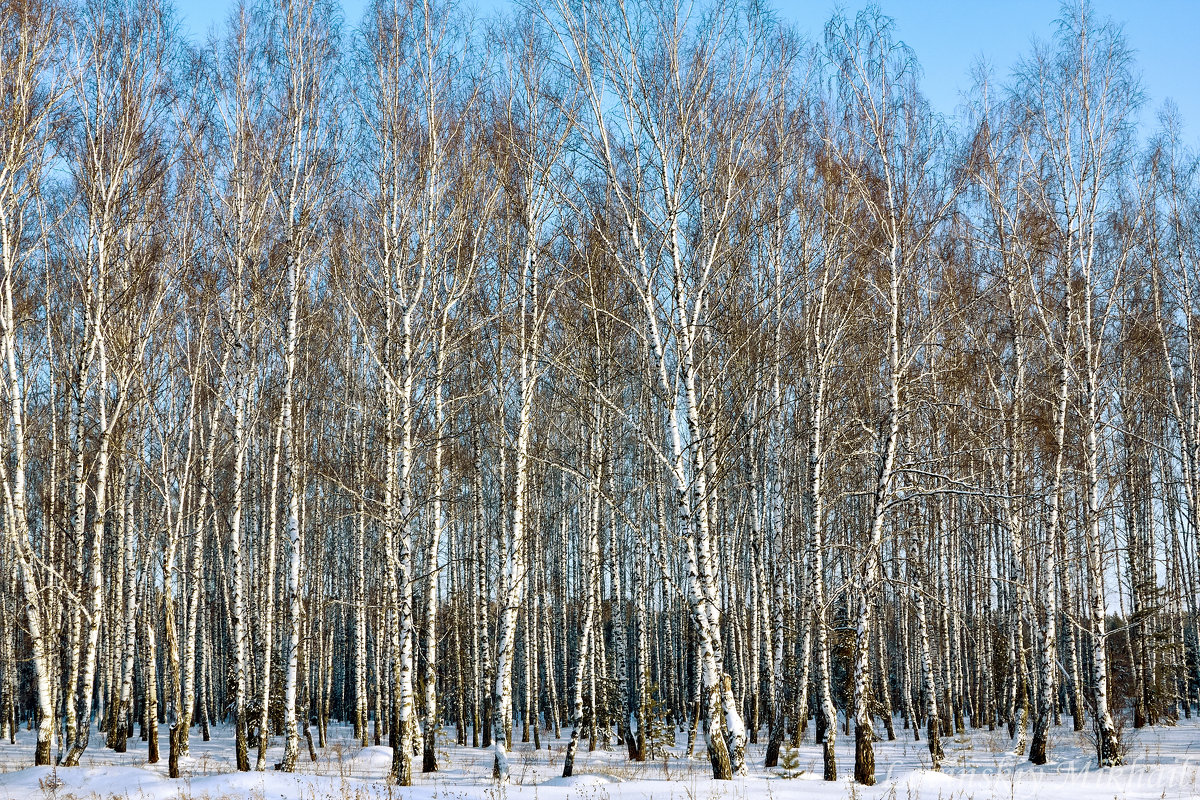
(611,365)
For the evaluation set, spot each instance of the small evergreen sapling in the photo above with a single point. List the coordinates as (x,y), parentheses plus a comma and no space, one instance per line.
(789,764)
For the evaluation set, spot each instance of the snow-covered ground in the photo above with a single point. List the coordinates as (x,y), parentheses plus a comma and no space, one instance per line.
(1164,762)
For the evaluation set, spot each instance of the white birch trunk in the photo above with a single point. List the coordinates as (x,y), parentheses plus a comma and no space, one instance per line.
(267,615)
(122,722)
(237,567)
(291,747)
(95,583)
(429,755)
(17,516)
(591,558)
(867,575)
(513,588)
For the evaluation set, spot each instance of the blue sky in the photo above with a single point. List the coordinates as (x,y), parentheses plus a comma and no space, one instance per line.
(949,36)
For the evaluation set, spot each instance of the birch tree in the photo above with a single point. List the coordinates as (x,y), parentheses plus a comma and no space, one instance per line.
(1082,96)
(26,58)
